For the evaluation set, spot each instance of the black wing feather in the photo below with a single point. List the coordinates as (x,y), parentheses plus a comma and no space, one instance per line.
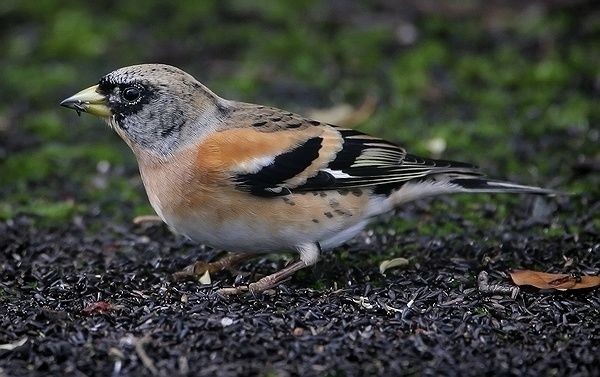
(368,161)
(267,181)
(363,161)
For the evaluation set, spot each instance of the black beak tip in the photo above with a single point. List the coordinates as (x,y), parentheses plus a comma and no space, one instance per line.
(73,105)
(66,103)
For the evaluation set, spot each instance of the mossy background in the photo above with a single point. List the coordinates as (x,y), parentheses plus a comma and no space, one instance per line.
(511,86)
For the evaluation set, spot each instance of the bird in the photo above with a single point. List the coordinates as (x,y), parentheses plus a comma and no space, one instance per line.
(253,179)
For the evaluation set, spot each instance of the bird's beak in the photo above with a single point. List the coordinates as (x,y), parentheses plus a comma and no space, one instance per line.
(88,101)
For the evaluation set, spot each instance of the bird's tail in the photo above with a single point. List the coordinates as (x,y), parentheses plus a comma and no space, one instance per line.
(463,182)
(485,185)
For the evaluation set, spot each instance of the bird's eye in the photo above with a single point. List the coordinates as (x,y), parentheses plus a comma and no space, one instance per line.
(131,94)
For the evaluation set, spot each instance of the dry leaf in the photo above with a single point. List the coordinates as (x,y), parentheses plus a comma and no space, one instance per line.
(544,280)
(205,279)
(99,307)
(396,262)
(146,219)
(345,115)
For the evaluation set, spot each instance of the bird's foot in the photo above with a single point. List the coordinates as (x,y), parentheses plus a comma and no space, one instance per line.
(268,282)
(199,268)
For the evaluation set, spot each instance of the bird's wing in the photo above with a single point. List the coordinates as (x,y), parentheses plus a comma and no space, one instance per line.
(280,153)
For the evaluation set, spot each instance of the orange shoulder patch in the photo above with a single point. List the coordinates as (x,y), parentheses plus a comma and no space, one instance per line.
(243,149)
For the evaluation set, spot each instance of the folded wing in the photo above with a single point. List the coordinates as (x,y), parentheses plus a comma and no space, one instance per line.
(327,157)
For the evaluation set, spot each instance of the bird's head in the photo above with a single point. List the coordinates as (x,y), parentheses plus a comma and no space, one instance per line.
(153,107)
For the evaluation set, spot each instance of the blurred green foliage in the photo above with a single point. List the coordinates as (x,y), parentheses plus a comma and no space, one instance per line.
(512,89)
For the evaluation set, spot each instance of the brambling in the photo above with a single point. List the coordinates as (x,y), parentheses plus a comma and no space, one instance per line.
(255,179)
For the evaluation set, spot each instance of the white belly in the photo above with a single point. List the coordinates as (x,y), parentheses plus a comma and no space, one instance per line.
(259,236)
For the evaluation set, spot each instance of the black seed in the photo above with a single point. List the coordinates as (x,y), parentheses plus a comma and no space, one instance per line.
(315,221)
(328,214)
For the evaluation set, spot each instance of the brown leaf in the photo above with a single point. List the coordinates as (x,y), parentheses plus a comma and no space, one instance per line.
(544,280)
(99,307)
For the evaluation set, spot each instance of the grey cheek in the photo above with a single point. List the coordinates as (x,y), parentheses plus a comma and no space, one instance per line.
(172,127)
(171,123)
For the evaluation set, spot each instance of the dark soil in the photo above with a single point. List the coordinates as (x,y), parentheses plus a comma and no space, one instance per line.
(75,302)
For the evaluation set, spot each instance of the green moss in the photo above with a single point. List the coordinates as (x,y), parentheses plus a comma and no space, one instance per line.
(6,211)
(411,72)
(19,82)
(362,50)
(56,159)
(45,212)
(88,35)
(47,125)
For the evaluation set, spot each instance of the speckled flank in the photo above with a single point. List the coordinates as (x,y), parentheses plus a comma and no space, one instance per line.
(357,192)
(289,201)
(342,213)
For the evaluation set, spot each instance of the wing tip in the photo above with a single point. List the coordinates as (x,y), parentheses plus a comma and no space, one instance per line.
(498,186)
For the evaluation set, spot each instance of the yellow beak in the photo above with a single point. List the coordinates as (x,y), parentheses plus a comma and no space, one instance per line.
(88,101)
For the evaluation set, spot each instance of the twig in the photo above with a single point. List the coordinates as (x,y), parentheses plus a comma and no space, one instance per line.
(485,287)
(146,360)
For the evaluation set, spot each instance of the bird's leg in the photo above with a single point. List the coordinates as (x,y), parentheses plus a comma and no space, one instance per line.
(267,282)
(200,267)
(309,254)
